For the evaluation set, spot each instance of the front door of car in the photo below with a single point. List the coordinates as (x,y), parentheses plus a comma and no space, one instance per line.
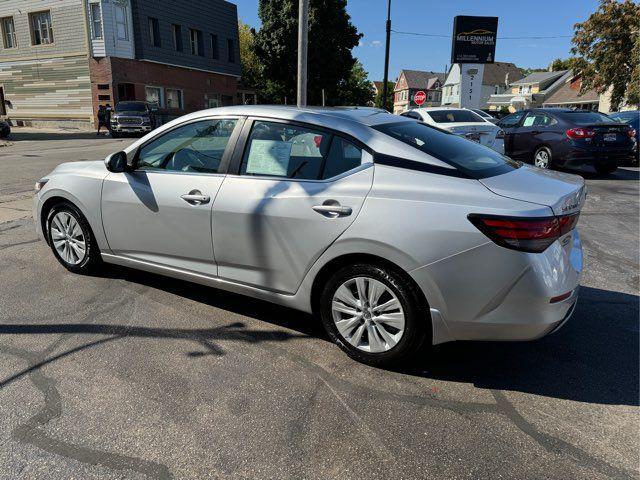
(509,125)
(536,130)
(161,211)
(297,190)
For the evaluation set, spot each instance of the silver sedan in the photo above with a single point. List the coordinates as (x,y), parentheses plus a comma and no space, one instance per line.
(397,235)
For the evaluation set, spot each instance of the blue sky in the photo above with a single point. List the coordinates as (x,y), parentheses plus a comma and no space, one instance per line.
(517,19)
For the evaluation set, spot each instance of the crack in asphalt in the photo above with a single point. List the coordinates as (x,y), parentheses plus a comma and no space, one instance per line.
(31,431)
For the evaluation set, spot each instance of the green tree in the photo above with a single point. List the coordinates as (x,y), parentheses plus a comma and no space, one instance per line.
(388,105)
(356,89)
(332,36)
(560,64)
(608,49)
(251,70)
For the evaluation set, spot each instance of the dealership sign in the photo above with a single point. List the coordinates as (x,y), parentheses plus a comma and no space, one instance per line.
(474,39)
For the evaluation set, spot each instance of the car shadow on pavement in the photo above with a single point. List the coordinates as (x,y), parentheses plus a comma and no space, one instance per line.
(619,174)
(18,136)
(593,358)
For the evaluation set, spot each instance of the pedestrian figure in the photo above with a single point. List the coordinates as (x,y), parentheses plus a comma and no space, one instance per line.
(102,118)
(109,111)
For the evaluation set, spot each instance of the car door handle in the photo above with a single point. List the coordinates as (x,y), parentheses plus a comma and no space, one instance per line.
(333,210)
(195,197)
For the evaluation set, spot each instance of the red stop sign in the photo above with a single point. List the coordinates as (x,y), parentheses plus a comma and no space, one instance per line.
(419,98)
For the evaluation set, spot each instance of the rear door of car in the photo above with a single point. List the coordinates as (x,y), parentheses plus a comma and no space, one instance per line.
(537,129)
(291,191)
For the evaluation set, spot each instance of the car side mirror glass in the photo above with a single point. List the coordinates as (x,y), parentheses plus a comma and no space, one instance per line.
(116,162)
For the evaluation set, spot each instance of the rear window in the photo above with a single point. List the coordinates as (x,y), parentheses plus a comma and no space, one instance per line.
(472,159)
(586,118)
(454,116)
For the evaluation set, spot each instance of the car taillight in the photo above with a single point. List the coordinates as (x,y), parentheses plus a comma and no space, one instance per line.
(580,133)
(525,234)
(500,134)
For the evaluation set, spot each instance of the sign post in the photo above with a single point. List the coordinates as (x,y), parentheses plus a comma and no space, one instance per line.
(473,45)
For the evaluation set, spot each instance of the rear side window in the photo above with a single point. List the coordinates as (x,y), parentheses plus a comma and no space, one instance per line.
(470,158)
(455,116)
(281,150)
(586,118)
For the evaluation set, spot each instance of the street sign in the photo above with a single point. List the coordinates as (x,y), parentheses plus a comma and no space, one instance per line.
(474,39)
(419,98)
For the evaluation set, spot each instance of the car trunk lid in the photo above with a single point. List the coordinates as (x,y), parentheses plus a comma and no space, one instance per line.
(483,133)
(609,135)
(563,193)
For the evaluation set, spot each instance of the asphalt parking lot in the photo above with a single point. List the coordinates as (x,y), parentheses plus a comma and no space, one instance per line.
(136,376)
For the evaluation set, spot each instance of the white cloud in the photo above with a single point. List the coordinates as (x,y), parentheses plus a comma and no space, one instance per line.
(376,44)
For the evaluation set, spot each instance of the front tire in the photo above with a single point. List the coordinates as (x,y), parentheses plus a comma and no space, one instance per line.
(542,158)
(71,239)
(374,314)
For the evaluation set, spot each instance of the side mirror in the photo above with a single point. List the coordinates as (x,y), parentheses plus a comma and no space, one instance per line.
(116,162)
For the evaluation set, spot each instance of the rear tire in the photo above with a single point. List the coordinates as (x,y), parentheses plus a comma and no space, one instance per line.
(71,239)
(605,169)
(542,158)
(386,328)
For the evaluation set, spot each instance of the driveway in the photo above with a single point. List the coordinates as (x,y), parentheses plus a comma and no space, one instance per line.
(132,375)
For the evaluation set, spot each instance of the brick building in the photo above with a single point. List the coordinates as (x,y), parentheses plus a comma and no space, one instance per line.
(60,59)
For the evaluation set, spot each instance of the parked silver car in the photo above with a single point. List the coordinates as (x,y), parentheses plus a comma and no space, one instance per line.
(393,232)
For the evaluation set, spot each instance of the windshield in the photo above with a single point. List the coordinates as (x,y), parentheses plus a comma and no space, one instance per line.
(586,118)
(455,116)
(131,107)
(472,159)
(481,113)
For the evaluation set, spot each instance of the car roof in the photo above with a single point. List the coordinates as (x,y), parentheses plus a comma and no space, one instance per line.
(353,121)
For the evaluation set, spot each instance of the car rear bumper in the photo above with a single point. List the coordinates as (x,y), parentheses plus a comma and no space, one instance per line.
(492,293)
(578,158)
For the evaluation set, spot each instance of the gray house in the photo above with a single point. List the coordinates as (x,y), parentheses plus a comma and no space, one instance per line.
(530,91)
(61,59)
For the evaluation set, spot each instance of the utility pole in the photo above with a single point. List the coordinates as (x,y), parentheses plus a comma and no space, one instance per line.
(386,57)
(303,30)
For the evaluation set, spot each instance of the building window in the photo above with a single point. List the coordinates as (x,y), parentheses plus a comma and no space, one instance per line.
(103,86)
(154,32)
(177,37)
(195,39)
(213,101)
(96,21)
(41,28)
(214,47)
(8,32)
(122,28)
(231,54)
(154,96)
(174,98)
(126,91)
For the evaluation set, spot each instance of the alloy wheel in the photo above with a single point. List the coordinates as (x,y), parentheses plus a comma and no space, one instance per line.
(542,159)
(68,238)
(368,314)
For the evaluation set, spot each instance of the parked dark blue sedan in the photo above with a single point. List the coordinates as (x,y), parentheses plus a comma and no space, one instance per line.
(573,139)
(631,118)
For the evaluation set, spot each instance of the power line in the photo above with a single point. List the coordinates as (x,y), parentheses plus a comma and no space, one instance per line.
(537,37)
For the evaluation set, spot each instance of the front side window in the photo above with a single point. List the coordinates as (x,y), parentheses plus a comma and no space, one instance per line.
(154,96)
(195,147)
(8,32)
(511,120)
(41,28)
(174,98)
(122,27)
(470,158)
(96,21)
(154,32)
(282,150)
(454,116)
